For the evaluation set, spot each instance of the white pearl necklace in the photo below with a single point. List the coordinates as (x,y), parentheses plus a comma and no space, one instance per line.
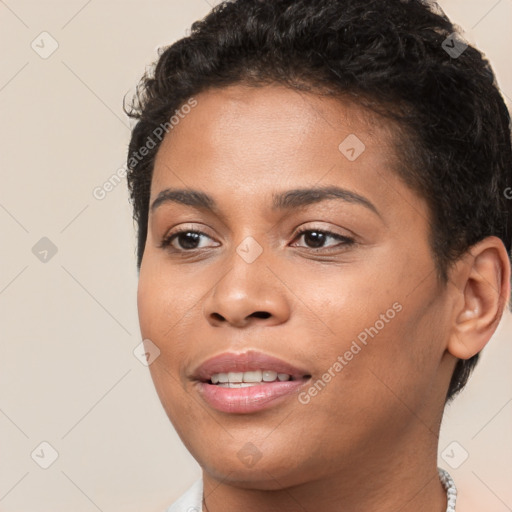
(451,490)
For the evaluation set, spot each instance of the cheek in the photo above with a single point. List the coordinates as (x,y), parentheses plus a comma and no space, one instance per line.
(381,354)
(144,307)
(157,308)
(151,296)
(166,310)
(162,302)
(158,318)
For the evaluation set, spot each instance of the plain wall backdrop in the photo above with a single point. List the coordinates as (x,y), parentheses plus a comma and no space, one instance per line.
(68,318)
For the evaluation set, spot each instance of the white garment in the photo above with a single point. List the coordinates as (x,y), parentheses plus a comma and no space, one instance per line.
(191,500)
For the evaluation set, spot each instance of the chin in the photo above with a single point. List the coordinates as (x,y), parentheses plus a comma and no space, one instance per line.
(263,472)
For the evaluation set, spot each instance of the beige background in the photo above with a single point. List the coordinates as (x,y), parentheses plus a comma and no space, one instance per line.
(69,325)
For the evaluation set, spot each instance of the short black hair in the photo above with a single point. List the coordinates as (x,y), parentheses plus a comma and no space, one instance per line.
(403,59)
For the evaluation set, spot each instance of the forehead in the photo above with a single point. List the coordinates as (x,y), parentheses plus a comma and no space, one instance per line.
(242,144)
(274,127)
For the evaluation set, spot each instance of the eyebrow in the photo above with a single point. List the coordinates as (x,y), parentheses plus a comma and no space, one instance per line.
(282,201)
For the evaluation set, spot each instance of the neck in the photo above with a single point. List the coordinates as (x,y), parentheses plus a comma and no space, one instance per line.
(398,479)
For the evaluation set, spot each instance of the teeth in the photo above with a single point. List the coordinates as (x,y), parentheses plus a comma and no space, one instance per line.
(222,377)
(236,385)
(269,376)
(254,376)
(249,378)
(235,376)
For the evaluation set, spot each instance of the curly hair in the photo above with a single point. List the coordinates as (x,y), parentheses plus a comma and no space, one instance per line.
(393,57)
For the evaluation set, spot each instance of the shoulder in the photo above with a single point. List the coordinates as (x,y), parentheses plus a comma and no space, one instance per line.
(191,500)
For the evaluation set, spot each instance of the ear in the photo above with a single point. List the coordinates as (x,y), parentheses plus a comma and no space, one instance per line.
(482,282)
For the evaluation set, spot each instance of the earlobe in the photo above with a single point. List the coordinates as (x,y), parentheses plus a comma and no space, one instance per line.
(482,279)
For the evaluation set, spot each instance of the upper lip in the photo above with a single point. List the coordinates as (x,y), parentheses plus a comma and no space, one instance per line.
(244,362)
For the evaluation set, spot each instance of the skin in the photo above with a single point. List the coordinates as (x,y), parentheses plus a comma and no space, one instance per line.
(368,440)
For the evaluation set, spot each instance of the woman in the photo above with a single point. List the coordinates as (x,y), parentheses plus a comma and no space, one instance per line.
(323,237)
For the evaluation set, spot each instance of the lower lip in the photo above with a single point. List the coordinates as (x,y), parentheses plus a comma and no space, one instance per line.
(249,399)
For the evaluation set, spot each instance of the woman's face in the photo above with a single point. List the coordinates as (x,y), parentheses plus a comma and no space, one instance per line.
(337,284)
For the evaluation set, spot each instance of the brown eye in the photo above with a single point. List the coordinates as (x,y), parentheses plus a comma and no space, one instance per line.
(316,238)
(185,240)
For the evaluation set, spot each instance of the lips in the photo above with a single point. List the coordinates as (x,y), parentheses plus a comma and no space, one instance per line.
(244,362)
(256,396)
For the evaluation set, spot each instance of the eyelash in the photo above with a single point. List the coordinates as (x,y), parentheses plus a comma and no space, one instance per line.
(346,241)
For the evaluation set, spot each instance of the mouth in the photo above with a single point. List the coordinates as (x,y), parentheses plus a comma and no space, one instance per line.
(248,378)
(247,382)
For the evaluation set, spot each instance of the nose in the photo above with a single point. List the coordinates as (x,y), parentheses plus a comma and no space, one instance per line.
(247,294)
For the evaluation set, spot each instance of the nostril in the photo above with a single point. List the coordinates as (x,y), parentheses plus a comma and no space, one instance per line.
(217,316)
(261,314)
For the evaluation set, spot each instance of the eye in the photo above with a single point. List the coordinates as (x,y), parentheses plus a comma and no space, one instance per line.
(189,239)
(317,238)
(185,240)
